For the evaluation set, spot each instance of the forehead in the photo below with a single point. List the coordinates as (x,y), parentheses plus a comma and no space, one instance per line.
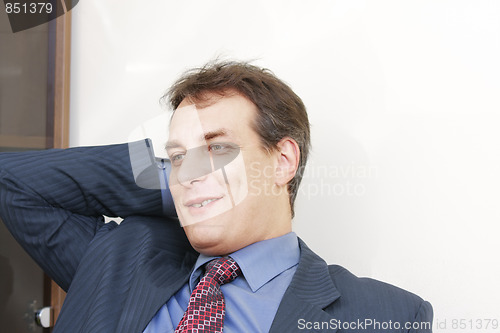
(232,112)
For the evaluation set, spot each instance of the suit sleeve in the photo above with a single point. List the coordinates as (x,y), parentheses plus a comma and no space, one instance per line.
(423,319)
(53,201)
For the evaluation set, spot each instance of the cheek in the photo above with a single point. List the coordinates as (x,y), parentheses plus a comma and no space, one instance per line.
(260,178)
(175,191)
(237,179)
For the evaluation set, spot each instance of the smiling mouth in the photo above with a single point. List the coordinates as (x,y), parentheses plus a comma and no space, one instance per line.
(203,203)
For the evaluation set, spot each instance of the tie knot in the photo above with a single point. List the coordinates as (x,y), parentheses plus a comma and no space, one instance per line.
(223,270)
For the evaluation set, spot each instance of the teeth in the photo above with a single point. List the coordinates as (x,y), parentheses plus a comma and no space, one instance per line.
(204,203)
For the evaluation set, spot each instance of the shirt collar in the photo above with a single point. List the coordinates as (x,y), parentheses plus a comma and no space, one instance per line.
(259,262)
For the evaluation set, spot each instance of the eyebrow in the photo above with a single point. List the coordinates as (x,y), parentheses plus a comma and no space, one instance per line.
(207,136)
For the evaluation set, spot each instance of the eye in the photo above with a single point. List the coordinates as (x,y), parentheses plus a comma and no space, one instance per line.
(216,147)
(177,158)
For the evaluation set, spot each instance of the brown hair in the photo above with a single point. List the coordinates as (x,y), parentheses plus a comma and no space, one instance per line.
(281,113)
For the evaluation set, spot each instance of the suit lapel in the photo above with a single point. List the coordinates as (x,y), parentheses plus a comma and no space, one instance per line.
(310,291)
(152,286)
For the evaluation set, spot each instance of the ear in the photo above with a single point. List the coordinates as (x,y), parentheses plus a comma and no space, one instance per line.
(287,160)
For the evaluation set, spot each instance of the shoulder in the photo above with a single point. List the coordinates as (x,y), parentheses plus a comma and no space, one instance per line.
(369,298)
(359,299)
(371,290)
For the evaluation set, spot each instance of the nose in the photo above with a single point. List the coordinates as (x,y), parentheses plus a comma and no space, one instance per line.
(195,166)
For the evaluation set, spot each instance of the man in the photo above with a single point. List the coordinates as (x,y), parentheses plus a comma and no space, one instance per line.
(238,142)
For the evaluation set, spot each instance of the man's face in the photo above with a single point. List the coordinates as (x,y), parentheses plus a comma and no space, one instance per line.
(222,180)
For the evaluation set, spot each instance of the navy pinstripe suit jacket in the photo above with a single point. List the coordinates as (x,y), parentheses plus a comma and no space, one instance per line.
(118,276)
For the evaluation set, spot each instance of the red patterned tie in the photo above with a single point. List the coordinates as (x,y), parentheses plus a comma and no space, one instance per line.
(205,312)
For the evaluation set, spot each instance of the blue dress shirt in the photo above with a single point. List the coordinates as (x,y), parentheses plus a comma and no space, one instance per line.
(252,299)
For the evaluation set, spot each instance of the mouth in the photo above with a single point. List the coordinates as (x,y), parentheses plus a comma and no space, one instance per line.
(201,202)
(202,208)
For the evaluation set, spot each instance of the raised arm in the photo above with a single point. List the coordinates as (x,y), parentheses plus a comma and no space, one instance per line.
(52,201)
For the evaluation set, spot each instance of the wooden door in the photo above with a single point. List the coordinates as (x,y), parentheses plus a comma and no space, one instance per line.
(34,114)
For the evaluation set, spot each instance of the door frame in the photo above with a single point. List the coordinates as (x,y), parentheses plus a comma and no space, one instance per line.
(58,97)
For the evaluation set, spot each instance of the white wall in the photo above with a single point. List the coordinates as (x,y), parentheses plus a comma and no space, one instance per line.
(403,96)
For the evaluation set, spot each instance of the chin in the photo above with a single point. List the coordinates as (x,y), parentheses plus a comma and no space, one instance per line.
(206,238)
(210,248)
